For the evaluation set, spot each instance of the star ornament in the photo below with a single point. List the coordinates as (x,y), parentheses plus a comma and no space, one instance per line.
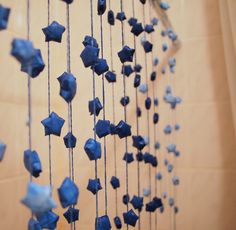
(138,142)
(117,222)
(54,32)
(93,149)
(53,124)
(48,220)
(95,106)
(103,223)
(4,15)
(38,198)
(94,186)
(130,218)
(123,129)
(34,224)
(71,215)
(101,7)
(126,54)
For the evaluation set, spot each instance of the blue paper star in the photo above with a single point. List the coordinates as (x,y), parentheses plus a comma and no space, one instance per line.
(32,162)
(110,76)
(125,101)
(126,199)
(168,129)
(164,5)
(147,46)
(175,180)
(103,223)
(71,215)
(171,148)
(127,70)
(164,47)
(121,16)
(38,198)
(94,186)
(156,101)
(54,32)
(126,54)
(2,150)
(170,168)
(157,145)
(48,220)
(128,157)
(115,182)
(93,149)
(153,76)
(100,67)
(68,193)
(171,201)
(137,202)
(89,55)
(148,103)
(138,142)
(70,140)
(101,7)
(137,68)
(4,15)
(143,88)
(146,192)
(137,29)
(137,80)
(111,17)
(53,124)
(139,156)
(166,162)
(117,222)
(95,106)
(155,118)
(130,218)
(149,28)
(34,225)
(68,86)
(154,21)
(132,21)
(90,41)
(102,128)
(159,176)
(123,129)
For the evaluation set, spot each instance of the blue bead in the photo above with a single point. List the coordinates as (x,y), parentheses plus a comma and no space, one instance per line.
(137,80)
(53,124)
(155,118)
(100,67)
(127,70)
(128,157)
(147,46)
(137,29)
(149,28)
(94,186)
(132,21)
(68,86)
(125,101)
(115,182)
(54,32)
(4,16)
(139,156)
(117,222)
(70,140)
(101,7)
(130,218)
(32,162)
(71,215)
(68,193)
(137,68)
(95,106)
(138,142)
(103,223)
(126,199)
(148,103)
(164,5)
(102,128)
(126,54)
(123,129)
(110,76)
(90,41)
(89,55)
(2,150)
(34,225)
(121,16)
(111,17)
(153,76)
(137,202)
(48,220)
(93,149)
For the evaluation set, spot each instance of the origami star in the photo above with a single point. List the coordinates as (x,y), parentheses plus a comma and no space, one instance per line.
(101,7)
(146,192)
(2,150)
(155,61)
(137,202)
(148,103)
(95,106)
(48,220)
(34,225)
(172,61)
(171,201)
(164,195)
(149,28)
(100,67)
(157,145)
(125,101)
(71,215)
(170,168)
(177,127)
(4,15)
(171,148)
(125,199)
(153,76)
(137,68)
(147,158)
(151,206)
(162,209)
(137,29)
(163,33)
(130,218)
(54,32)
(143,88)
(159,176)
(132,21)
(94,186)
(93,149)
(177,153)
(35,66)
(139,156)
(164,5)
(143,1)
(38,198)
(128,157)
(53,124)
(156,101)
(68,86)
(32,162)
(146,139)
(127,70)
(70,140)
(22,50)
(138,112)
(111,17)
(154,21)
(137,80)
(154,161)
(89,55)
(175,180)
(90,41)
(110,76)
(171,34)
(166,162)
(113,129)
(102,128)
(155,118)
(147,46)
(138,142)
(68,193)
(68,1)
(123,129)
(158,202)
(117,222)
(126,54)
(121,16)
(115,182)
(176,209)
(168,129)
(164,47)
(103,223)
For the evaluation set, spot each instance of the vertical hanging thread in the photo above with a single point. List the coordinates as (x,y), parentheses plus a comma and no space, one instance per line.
(94,95)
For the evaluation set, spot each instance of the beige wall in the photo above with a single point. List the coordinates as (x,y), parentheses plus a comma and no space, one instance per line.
(207,165)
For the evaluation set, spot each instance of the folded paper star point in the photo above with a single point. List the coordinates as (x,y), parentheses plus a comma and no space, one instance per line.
(126,54)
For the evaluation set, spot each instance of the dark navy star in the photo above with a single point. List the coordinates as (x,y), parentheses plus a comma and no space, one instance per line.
(48,220)
(94,186)
(126,54)
(54,32)
(103,223)
(71,215)
(130,218)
